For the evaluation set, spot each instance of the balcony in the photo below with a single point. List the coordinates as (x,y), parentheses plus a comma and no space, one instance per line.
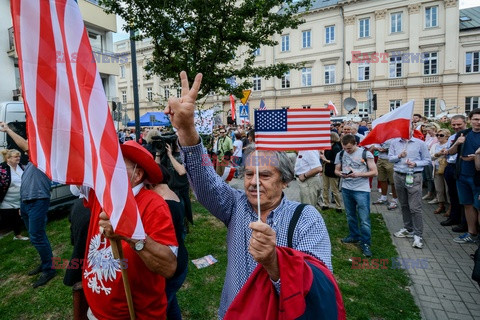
(431,80)
(396,83)
(364,85)
(330,88)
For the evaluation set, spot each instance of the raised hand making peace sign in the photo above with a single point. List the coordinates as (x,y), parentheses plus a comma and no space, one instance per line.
(181,111)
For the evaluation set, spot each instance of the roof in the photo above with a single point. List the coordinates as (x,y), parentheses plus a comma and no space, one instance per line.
(318,4)
(471,18)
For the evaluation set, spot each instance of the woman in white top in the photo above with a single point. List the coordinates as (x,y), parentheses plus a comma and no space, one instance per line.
(10,181)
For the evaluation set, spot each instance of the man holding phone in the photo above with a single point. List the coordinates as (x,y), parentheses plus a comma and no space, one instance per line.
(355,171)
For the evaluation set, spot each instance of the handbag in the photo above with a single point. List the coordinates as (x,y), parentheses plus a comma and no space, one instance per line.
(442,164)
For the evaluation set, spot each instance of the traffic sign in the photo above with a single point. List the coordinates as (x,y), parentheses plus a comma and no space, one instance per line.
(246,95)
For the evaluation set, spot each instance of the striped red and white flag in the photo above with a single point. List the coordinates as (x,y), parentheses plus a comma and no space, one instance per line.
(71,135)
(292,129)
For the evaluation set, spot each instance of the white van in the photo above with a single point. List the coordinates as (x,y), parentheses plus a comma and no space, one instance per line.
(13,113)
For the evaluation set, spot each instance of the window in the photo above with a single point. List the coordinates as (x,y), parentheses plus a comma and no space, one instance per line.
(306,77)
(330,74)
(149,94)
(429,107)
(472,61)
(285,108)
(122,72)
(257,83)
(124,96)
(364,26)
(286,80)
(306,106)
(364,71)
(471,103)
(396,22)
(179,92)
(431,17)
(96,41)
(395,67)
(166,92)
(394,104)
(285,43)
(364,109)
(306,39)
(329,34)
(430,63)
(256,53)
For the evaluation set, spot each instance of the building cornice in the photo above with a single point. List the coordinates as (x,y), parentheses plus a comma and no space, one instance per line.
(349,20)
(380,14)
(413,8)
(451,3)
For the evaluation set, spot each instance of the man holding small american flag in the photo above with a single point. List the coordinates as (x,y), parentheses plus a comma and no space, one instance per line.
(257,239)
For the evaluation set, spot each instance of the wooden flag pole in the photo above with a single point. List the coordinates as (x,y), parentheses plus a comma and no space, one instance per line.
(118,254)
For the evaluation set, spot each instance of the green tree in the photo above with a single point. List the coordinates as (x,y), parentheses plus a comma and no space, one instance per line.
(205,35)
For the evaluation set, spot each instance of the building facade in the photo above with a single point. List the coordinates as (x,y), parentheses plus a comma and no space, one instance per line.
(100,27)
(400,50)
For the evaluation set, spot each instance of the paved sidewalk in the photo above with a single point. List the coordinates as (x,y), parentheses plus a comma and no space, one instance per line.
(442,291)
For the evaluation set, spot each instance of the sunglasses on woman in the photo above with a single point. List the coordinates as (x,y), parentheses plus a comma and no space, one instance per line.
(439,135)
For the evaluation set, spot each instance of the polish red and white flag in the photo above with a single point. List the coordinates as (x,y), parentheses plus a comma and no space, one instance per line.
(71,135)
(395,124)
(332,107)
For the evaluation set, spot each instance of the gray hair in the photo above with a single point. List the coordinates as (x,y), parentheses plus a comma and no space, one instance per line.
(283,163)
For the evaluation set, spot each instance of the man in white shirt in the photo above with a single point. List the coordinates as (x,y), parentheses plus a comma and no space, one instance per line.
(307,172)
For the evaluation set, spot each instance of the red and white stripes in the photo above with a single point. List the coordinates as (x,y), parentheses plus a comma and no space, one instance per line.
(71,135)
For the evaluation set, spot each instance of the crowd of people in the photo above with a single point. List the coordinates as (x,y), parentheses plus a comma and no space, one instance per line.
(269,237)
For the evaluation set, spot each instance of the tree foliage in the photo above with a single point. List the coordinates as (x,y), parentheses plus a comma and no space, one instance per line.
(205,35)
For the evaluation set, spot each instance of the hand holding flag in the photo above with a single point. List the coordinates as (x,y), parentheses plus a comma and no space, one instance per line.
(395,124)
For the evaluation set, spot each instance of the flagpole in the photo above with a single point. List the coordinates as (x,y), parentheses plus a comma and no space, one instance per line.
(258,186)
(118,254)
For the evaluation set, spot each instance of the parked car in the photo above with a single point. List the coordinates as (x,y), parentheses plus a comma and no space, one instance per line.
(13,113)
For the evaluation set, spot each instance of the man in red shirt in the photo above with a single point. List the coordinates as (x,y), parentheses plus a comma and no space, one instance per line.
(148,262)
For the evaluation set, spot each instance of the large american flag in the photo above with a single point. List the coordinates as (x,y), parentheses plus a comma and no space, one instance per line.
(292,129)
(71,135)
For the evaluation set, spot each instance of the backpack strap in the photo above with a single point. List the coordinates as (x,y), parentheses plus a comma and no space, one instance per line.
(340,157)
(293,223)
(364,157)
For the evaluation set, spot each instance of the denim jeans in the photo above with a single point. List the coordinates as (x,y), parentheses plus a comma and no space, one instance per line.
(171,287)
(357,206)
(34,215)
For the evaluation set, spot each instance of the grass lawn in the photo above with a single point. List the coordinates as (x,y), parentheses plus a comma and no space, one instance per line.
(368,293)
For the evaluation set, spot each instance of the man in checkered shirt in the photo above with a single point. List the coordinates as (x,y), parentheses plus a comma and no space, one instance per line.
(249,242)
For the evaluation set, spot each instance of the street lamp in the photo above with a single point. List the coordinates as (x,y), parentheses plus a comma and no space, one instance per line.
(350,71)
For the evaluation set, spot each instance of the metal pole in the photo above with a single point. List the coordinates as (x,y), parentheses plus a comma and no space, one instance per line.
(350,71)
(136,108)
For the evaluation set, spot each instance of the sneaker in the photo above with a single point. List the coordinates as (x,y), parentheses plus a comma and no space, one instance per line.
(466,238)
(44,278)
(392,205)
(380,201)
(433,201)
(349,239)
(403,233)
(417,242)
(20,237)
(366,250)
(35,271)
(427,197)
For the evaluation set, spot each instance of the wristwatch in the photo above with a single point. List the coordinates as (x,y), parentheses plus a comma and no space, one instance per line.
(139,245)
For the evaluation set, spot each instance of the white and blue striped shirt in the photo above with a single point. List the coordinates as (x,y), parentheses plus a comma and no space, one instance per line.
(233,209)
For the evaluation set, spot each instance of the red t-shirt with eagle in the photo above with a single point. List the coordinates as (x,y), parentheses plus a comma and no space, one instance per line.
(102,277)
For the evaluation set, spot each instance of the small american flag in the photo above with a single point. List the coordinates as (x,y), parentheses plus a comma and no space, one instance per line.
(71,135)
(292,129)
(262,105)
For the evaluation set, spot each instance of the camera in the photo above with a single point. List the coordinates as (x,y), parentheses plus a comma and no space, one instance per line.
(159,142)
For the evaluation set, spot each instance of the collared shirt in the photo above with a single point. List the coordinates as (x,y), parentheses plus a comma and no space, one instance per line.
(306,161)
(417,152)
(231,206)
(384,145)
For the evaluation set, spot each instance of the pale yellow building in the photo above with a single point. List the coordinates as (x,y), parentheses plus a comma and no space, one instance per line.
(401,50)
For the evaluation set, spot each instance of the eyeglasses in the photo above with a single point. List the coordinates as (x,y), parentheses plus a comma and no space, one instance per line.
(439,135)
